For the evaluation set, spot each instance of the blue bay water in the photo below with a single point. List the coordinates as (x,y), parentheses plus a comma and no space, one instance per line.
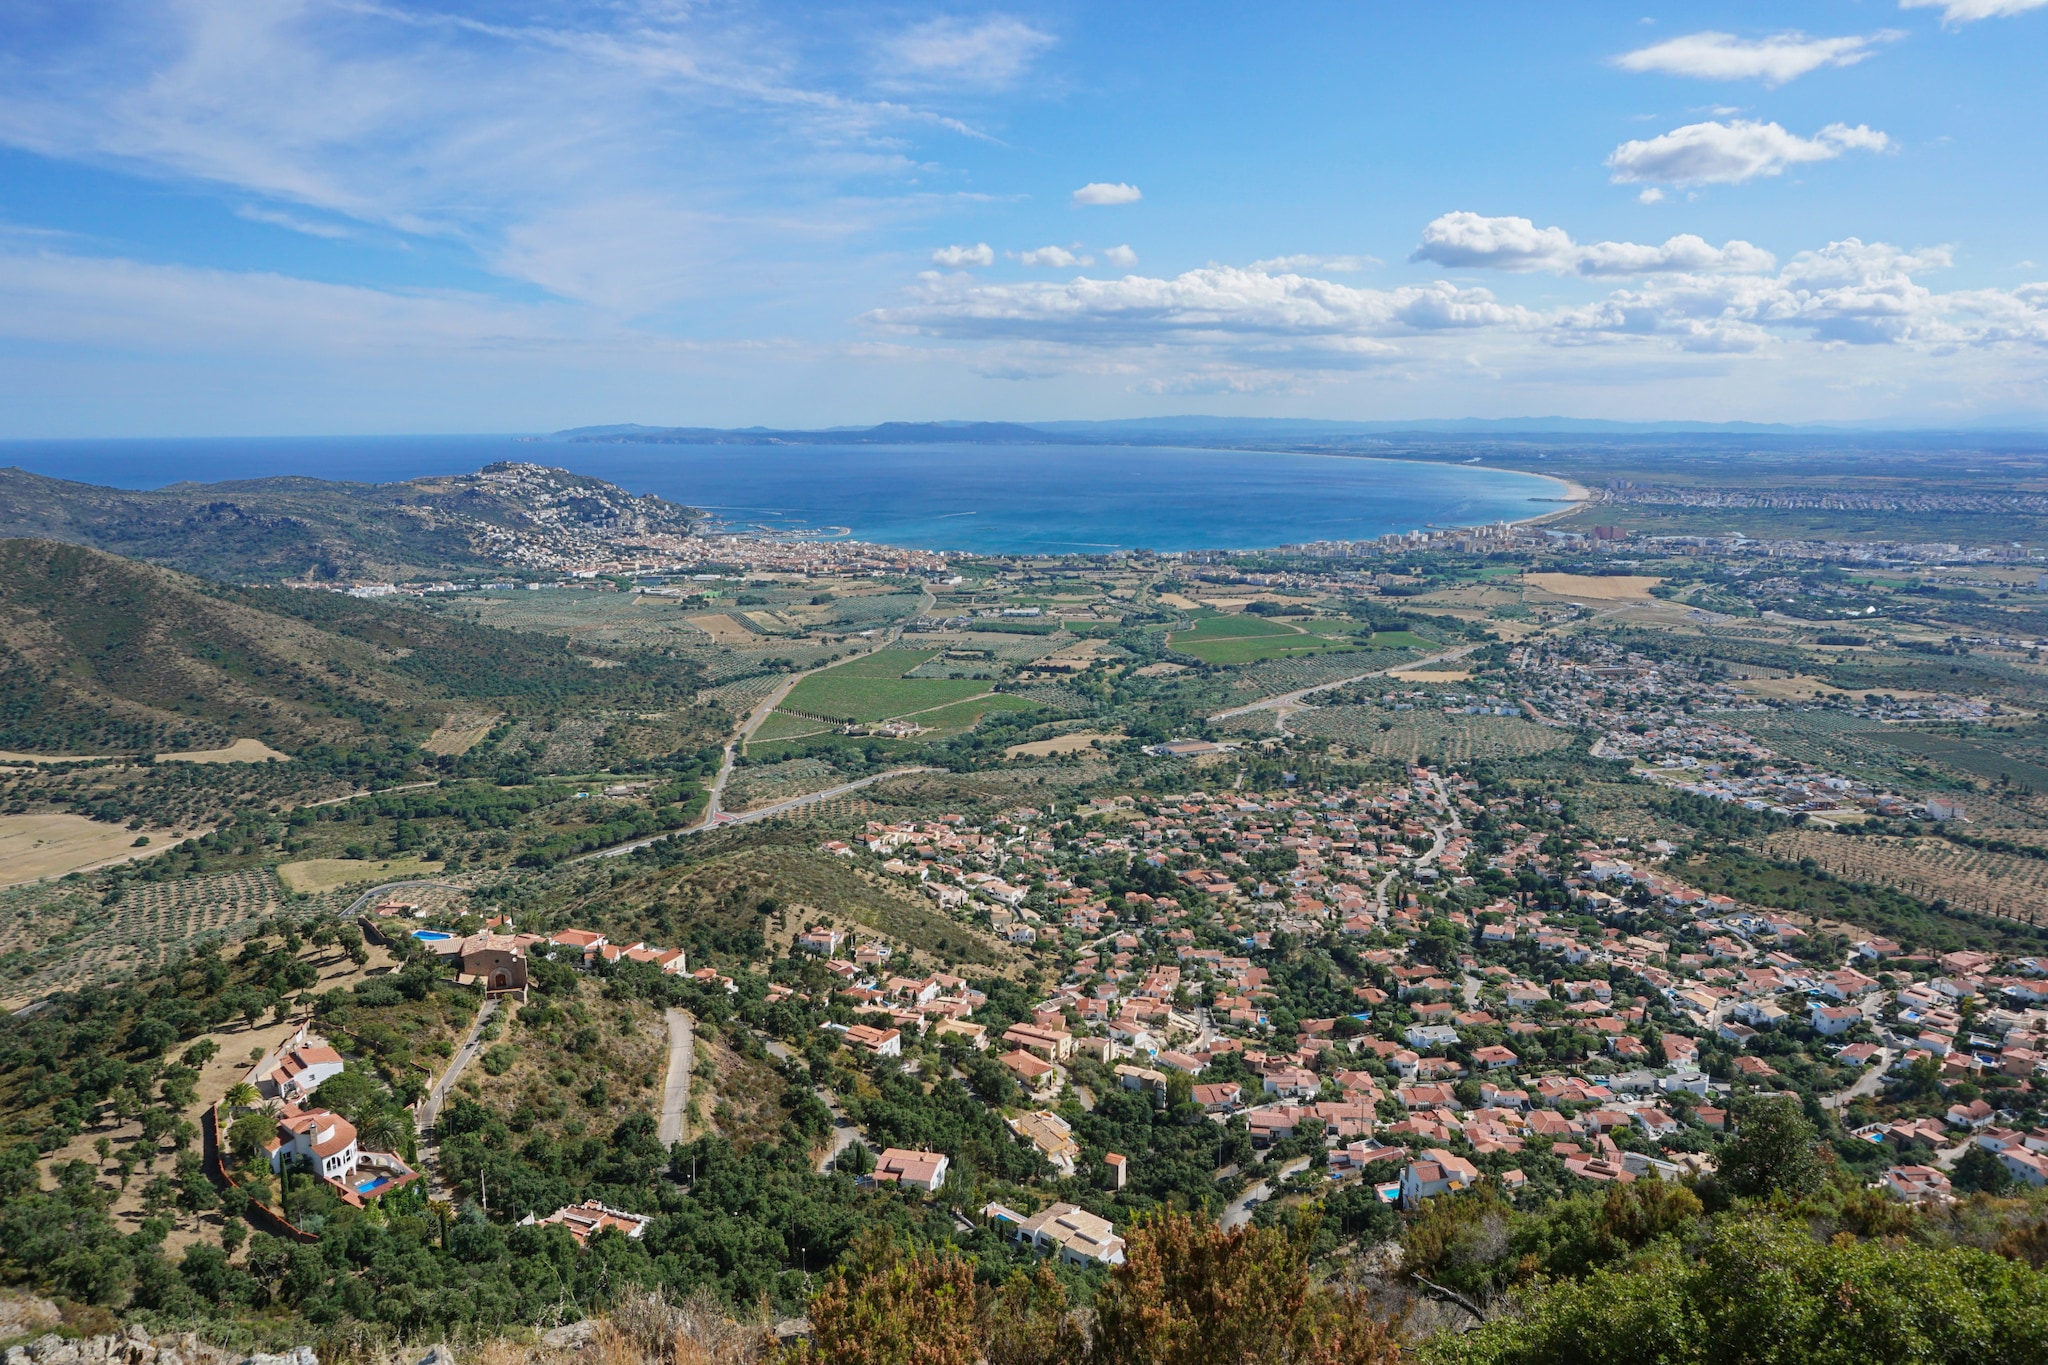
(1045,499)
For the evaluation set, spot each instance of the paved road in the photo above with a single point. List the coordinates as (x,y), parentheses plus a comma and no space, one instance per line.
(1289,698)
(675,1096)
(368,898)
(1869,1083)
(844,1131)
(472,1044)
(1239,1211)
(764,813)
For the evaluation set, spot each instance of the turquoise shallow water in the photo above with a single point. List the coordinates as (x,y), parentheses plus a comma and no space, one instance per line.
(1045,499)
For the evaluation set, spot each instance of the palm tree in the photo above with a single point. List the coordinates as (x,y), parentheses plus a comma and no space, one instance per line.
(241,1095)
(382,1132)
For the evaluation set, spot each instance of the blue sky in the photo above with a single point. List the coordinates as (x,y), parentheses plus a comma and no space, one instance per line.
(299,216)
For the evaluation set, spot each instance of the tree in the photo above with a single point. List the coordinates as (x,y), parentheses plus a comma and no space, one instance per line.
(1764,1291)
(1774,1151)
(893,1308)
(250,1134)
(1028,1322)
(241,1095)
(1190,1293)
(1978,1171)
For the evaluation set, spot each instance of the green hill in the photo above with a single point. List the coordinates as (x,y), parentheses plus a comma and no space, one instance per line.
(265,530)
(100,654)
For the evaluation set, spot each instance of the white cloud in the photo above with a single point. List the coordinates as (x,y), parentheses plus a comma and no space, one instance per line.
(1336,265)
(960,257)
(1101,193)
(255,213)
(1470,240)
(1731,153)
(995,50)
(1955,12)
(1774,60)
(1652,195)
(1121,256)
(1053,256)
(1247,326)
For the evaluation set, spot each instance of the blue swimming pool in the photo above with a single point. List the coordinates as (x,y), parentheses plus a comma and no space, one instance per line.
(372,1186)
(431,935)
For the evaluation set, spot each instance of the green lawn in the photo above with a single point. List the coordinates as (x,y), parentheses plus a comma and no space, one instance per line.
(873,688)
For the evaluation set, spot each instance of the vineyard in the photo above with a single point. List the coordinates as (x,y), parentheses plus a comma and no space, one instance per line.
(1290,675)
(742,694)
(1408,735)
(2010,886)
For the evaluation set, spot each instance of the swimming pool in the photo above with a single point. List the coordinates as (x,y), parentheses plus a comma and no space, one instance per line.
(431,935)
(372,1186)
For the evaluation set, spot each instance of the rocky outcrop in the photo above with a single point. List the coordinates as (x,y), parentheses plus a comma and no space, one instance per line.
(137,1347)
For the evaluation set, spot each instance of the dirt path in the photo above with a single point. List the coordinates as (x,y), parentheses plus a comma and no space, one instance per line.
(1287,699)
(765,812)
(737,745)
(675,1097)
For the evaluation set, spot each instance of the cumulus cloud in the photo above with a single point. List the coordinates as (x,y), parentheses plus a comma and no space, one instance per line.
(1274,327)
(1774,60)
(1470,240)
(1101,194)
(995,51)
(1955,12)
(1275,312)
(1053,256)
(960,257)
(1121,256)
(1731,153)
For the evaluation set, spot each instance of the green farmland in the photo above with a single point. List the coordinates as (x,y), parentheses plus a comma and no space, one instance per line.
(1254,639)
(872,688)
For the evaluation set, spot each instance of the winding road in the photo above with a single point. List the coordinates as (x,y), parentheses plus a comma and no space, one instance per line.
(472,1044)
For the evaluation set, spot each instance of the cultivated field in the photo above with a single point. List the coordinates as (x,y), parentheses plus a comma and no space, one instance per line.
(2010,886)
(460,732)
(56,937)
(1252,639)
(1059,744)
(873,688)
(1412,734)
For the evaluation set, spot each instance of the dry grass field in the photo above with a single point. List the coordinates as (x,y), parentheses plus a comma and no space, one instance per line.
(461,732)
(1058,744)
(33,847)
(329,874)
(1597,587)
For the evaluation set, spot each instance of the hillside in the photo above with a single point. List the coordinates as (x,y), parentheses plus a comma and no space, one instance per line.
(100,654)
(266,530)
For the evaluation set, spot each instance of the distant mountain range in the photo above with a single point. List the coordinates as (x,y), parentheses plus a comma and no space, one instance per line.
(1259,430)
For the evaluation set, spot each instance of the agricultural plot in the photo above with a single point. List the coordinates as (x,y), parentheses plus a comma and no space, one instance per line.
(1290,675)
(765,785)
(2009,886)
(1252,639)
(874,688)
(1966,757)
(330,874)
(564,746)
(1408,735)
(742,694)
(56,943)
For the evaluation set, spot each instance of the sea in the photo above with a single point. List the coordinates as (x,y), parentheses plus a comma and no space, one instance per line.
(983,499)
